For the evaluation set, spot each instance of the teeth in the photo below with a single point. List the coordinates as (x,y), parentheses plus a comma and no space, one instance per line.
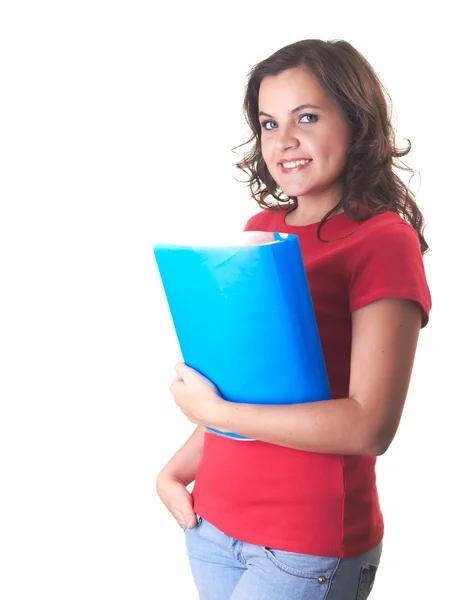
(292,165)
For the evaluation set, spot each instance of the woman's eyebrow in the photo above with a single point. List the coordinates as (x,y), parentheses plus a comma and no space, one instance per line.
(298,108)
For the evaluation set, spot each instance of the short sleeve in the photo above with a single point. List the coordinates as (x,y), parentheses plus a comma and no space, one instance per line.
(389,264)
(250,225)
(255,222)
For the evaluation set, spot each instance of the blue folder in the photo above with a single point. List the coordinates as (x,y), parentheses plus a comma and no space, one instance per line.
(244,318)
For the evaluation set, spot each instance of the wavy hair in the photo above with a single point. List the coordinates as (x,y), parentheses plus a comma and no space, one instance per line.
(369,180)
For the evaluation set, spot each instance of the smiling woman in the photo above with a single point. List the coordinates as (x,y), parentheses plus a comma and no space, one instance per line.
(305,152)
(295,513)
(326,86)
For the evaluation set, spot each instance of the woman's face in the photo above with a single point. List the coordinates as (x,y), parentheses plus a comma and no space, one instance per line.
(299,122)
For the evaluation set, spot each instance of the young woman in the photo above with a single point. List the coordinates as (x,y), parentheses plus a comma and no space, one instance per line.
(295,514)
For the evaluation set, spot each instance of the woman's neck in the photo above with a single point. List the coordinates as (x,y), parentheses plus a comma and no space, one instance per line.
(308,213)
(312,209)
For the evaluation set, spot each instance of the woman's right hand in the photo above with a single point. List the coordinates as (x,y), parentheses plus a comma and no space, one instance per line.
(177,499)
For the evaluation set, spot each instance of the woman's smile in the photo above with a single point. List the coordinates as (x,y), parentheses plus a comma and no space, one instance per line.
(293,166)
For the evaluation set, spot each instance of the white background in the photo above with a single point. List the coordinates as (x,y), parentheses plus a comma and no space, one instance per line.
(117,124)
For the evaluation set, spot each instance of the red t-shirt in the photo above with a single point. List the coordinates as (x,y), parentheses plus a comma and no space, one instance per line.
(308,502)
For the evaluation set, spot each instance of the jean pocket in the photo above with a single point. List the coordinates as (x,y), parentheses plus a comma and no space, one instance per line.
(366,580)
(320,568)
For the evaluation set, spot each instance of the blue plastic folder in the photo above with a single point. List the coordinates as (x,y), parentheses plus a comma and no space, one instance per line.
(244,318)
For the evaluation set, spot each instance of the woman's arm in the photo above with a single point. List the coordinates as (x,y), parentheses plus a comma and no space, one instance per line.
(174,478)
(183,464)
(384,340)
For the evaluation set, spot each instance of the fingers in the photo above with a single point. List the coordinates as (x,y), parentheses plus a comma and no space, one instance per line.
(179,368)
(175,385)
(182,370)
(190,522)
(185,517)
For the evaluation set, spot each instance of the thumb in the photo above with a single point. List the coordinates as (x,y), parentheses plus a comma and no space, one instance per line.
(182,370)
(191,521)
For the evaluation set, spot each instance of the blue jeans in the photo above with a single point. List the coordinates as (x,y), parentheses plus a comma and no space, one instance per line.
(225,568)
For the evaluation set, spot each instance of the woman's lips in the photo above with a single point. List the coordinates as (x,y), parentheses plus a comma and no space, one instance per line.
(295,169)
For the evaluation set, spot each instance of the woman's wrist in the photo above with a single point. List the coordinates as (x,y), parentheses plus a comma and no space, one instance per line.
(225,415)
(167,474)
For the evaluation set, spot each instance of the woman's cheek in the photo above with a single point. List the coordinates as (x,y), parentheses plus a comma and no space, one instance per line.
(267,155)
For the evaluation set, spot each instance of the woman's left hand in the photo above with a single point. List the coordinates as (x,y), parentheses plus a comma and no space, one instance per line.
(197,397)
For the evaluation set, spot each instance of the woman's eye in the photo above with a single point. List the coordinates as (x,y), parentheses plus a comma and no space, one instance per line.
(312,118)
(309,118)
(265,123)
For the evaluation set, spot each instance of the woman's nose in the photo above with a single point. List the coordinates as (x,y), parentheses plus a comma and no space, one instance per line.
(287,140)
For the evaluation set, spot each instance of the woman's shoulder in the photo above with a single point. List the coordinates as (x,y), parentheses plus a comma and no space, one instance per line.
(384,241)
(387,225)
(386,217)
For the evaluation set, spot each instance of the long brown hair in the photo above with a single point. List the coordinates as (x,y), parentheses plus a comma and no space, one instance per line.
(368,178)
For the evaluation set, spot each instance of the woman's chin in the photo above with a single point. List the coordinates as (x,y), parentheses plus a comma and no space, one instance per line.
(296,190)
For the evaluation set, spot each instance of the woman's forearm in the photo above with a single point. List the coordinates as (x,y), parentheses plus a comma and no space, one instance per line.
(339,426)
(183,464)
